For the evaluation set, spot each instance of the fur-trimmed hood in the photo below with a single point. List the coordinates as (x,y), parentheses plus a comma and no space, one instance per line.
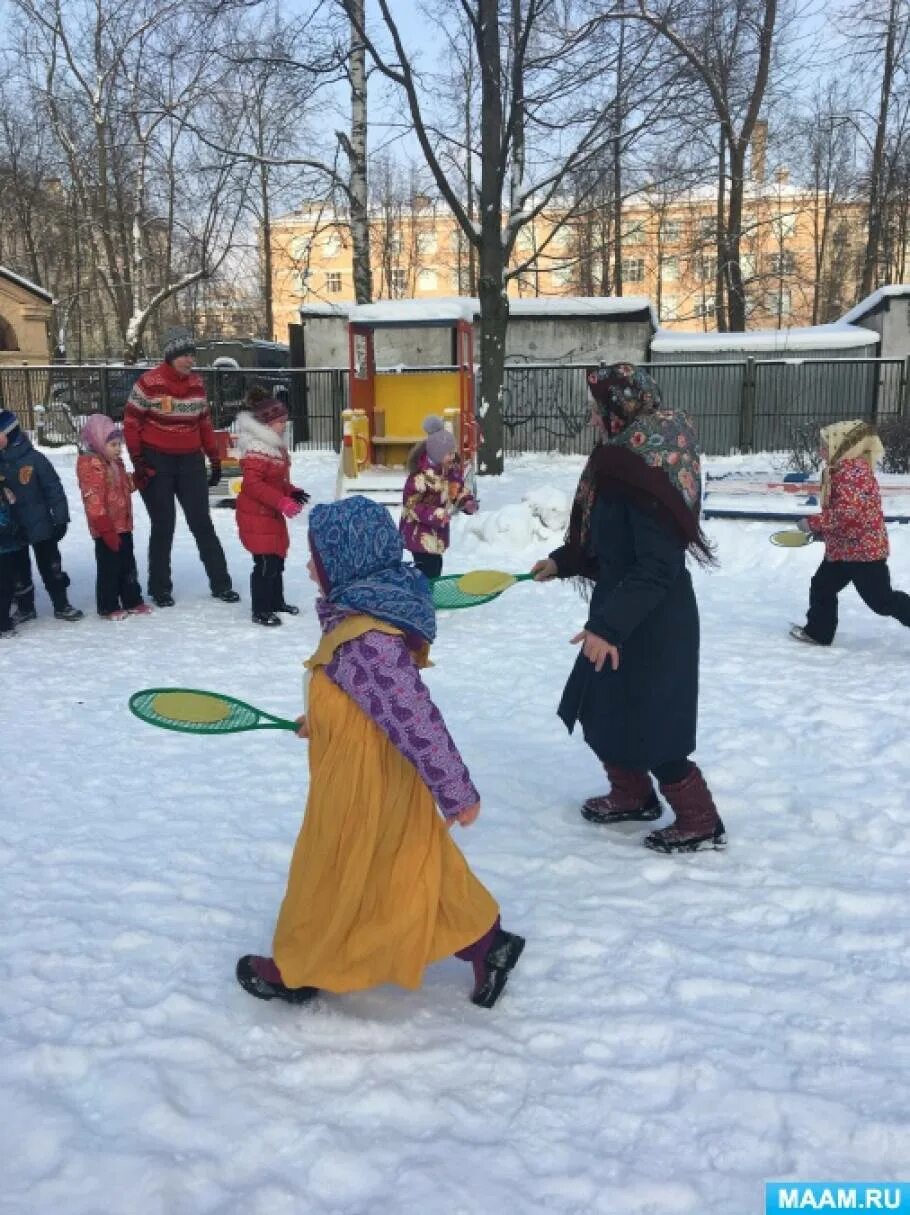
(253,436)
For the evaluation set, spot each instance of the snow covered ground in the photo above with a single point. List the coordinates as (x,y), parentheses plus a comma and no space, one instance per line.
(678,1030)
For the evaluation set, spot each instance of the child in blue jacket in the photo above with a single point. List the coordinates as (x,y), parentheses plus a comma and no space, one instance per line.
(12,544)
(41,512)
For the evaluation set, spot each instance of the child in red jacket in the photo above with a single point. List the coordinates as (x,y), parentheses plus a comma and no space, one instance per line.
(106,487)
(852,526)
(266,500)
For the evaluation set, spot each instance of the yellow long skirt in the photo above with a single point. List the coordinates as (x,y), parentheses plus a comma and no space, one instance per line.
(377,888)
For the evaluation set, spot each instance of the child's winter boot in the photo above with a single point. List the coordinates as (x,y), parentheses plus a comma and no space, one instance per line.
(262,979)
(66,611)
(500,959)
(697,826)
(631,798)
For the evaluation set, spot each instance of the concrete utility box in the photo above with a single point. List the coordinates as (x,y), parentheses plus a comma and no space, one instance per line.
(886,313)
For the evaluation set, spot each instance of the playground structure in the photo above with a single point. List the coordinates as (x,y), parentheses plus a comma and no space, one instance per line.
(388,404)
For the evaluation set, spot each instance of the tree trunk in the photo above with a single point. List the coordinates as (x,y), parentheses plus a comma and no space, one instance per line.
(266,246)
(617,168)
(736,304)
(723,251)
(494,304)
(360,215)
(870,257)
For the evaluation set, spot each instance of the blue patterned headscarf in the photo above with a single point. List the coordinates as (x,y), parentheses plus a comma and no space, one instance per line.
(359,551)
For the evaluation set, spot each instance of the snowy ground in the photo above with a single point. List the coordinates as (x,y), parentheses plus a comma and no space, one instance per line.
(678,1030)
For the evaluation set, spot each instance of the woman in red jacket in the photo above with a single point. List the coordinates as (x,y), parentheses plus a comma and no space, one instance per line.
(266,500)
(852,526)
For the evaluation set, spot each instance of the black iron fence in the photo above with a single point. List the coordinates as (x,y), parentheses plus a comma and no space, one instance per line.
(751,405)
(53,401)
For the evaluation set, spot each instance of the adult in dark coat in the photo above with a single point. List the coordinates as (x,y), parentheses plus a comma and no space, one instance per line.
(41,511)
(634,686)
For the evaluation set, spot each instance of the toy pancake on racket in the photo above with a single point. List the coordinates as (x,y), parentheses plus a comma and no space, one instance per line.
(468,590)
(193,711)
(788,538)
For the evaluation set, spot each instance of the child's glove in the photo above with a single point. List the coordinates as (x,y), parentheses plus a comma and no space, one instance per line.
(110,537)
(289,507)
(215,473)
(300,496)
(803,526)
(470,506)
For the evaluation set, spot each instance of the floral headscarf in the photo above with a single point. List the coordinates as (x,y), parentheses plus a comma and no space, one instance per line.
(848,441)
(649,455)
(358,551)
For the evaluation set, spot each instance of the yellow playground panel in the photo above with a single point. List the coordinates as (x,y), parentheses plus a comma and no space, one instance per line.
(388,405)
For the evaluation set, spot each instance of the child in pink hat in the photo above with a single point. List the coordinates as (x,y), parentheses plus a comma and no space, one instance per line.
(433,492)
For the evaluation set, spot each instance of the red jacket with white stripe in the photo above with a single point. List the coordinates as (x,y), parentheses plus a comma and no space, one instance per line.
(852,523)
(266,467)
(168,412)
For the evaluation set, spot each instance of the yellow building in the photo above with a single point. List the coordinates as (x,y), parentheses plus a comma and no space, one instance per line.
(25,320)
(800,264)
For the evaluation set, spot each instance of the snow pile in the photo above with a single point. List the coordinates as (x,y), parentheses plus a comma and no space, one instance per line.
(540,517)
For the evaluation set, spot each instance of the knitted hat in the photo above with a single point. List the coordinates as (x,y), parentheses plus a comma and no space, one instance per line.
(265,408)
(9,423)
(178,346)
(440,442)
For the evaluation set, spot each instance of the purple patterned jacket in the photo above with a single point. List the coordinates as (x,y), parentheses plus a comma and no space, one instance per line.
(378,672)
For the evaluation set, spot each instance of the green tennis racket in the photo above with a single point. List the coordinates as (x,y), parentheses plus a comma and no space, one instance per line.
(791,539)
(468,590)
(192,711)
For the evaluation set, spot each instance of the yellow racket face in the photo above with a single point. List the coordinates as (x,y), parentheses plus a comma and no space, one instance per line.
(191,707)
(484,582)
(791,539)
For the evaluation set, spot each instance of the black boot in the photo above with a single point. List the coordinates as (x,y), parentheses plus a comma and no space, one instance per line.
(269,619)
(262,979)
(288,609)
(228,596)
(165,600)
(501,958)
(23,616)
(68,612)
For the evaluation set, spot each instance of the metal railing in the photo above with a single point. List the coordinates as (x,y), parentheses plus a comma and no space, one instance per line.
(748,405)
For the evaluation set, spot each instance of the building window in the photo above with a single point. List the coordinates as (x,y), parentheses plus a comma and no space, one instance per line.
(331,245)
(781,263)
(669,308)
(706,307)
(784,225)
(633,231)
(633,270)
(427,244)
(333,283)
(778,303)
(398,280)
(300,247)
(562,275)
(300,281)
(671,231)
(747,265)
(705,268)
(427,280)
(707,229)
(670,269)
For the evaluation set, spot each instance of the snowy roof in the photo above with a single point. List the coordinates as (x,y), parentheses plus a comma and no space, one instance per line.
(463,307)
(416,312)
(813,337)
(326,309)
(24,282)
(581,305)
(871,302)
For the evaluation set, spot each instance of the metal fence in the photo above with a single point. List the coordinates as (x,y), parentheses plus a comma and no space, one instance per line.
(750,405)
(53,401)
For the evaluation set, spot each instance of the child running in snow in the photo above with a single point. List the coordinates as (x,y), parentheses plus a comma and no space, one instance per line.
(266,500)
(377,888)
(42,512)
(433,492)
(852,525)
(106,488)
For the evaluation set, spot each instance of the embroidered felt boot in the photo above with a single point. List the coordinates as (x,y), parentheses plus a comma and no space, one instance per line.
(631,798)
(698,825)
